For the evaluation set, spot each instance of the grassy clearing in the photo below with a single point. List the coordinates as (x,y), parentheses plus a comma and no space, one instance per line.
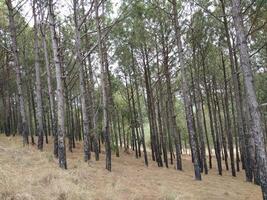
(27,174)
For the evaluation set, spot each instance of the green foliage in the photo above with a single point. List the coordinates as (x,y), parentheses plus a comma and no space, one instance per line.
(142,37)
(261,83)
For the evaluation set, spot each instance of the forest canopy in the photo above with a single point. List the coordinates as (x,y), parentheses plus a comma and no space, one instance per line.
(157,78)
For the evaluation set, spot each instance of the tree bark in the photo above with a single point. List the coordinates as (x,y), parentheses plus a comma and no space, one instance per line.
(228,121)
(104,87)
(12,29)
(186,93)
(50,92)
(151,109)
(86,140)
(40,126)
(139,115)
(256,128)
(60,96)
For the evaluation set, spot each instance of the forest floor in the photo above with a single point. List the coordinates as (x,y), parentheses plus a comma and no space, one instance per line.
(28,174)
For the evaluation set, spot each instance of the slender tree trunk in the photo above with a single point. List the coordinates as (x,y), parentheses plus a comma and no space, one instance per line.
(104,87)
(123,131)
(234,77)
(235,127)
(86,140)
(130,112)
(256,128)
(6,98)
(247,143)
(133,120)
(139,115)
(119,127)
(228,121)
(67,106)
(90,92)
(40,126)
(170,108)
(199,123)
(151,109)
(12,29)
(186,93)
(50,92)
(220,131)
(206,129)
(213,124)
(161,112)
(30,114)
(60,96)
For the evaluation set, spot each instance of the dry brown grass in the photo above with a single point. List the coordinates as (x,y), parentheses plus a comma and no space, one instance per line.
(28,174)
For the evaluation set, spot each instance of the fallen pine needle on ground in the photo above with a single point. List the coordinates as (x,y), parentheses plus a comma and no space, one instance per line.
(28,174)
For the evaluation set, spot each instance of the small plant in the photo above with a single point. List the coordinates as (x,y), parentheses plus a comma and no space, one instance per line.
(171,196)
(50,157)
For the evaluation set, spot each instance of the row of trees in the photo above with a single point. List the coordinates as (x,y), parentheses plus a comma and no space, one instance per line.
(164,75)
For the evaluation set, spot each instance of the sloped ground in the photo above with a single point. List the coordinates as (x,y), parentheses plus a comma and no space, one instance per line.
(28,174)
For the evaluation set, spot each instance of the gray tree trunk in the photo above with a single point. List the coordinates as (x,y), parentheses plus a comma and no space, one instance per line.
(140,115)
(228,121)
(256,128)
(104,87)
(12,29)
(40,127)
(186,93)
(60,96)
(50,93)
(86,140)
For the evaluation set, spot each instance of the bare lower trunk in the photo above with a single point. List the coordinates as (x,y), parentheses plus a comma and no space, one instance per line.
(104,87)
(239,112)
(51,95)
(86,140)
(228,121)
(140,115)
(12,29)
(60,96)
(256,128)
(151,110)
(40,127)
(186,94)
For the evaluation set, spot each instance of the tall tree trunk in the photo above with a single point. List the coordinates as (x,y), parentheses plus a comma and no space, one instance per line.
(186,93)
(60,96)
(31,128)
(247,143)
(256,128)
(199,125)
(90,92)
(170,108)
(139,115)
(130,112)
(104,87)
(234,74)
(151,109)
(220,131)
(12,29)
(213,123)
(6,97)
(161,112)
(50,93)
(228,121)
(40,126)
(235,127)
(205,128)
(123,131)
(134,124)
(86,140)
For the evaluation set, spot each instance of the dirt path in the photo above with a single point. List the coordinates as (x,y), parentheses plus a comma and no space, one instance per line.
(27,174)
